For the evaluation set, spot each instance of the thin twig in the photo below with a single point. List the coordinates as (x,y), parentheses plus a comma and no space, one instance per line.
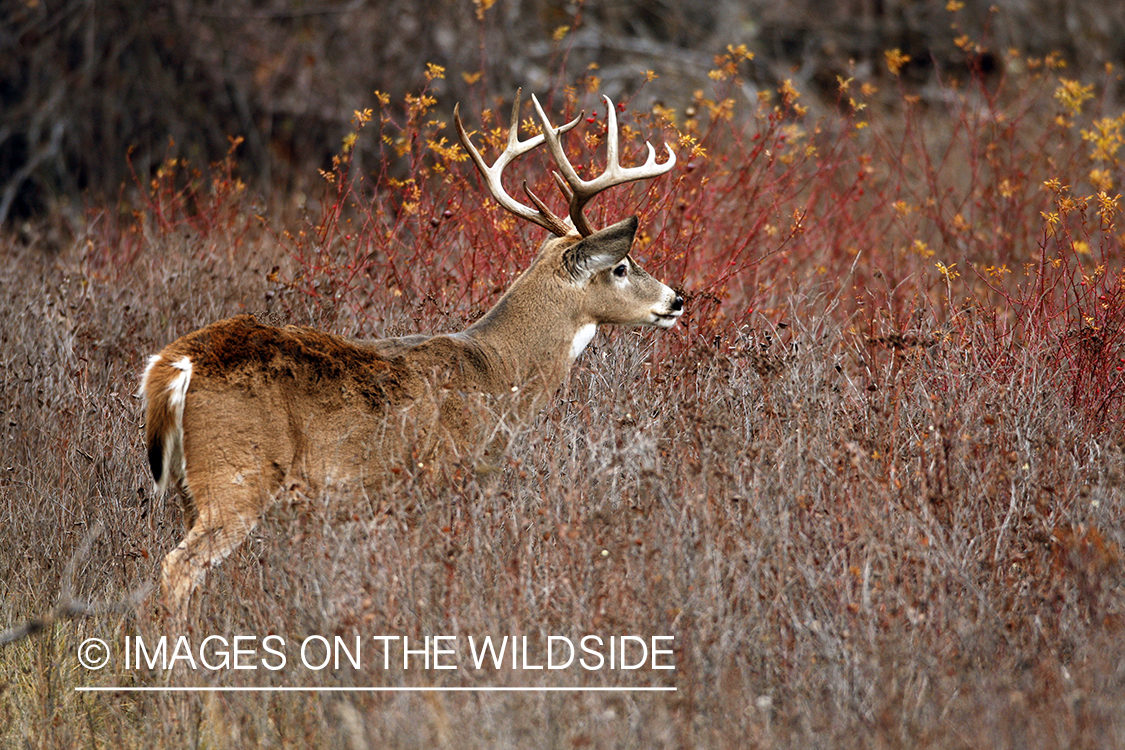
(70,607)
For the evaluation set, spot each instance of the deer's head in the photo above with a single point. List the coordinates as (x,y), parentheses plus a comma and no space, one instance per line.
(591,268)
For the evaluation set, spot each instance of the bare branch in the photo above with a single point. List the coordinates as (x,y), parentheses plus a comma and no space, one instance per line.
(70,607)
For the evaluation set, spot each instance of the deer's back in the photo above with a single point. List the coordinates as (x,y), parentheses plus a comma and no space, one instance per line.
(294,403)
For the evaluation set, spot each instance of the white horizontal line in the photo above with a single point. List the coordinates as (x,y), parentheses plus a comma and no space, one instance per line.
(291,689)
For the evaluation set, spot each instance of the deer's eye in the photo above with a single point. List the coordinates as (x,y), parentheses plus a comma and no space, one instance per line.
(621,271)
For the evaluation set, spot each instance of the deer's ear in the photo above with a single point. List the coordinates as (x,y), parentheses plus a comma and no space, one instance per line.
(601,250)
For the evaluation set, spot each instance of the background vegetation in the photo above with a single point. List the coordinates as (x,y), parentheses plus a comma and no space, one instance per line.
(872,482)
(83,82)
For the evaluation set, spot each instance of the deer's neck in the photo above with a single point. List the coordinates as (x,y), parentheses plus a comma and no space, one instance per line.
(530,341)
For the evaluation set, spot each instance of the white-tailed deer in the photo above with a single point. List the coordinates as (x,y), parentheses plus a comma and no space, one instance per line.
(237,412)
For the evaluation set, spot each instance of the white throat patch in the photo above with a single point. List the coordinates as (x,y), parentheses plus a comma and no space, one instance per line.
(582,339)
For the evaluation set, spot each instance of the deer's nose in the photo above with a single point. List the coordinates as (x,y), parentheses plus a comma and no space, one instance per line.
(678,303)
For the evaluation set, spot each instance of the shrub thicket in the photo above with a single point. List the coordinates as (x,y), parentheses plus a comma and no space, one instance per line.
(81,85)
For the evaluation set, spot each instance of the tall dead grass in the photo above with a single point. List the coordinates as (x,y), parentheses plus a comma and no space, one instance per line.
(853,543)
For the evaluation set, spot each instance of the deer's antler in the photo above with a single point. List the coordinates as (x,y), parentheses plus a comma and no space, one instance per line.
(577,191)
(540,215)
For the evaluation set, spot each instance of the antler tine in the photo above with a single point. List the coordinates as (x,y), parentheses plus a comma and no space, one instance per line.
(578,191)
(515,148)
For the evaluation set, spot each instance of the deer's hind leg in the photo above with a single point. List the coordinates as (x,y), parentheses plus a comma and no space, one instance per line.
(208,542)
(228,485)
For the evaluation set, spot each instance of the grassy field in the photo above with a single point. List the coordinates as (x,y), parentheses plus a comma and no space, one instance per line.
(871,484)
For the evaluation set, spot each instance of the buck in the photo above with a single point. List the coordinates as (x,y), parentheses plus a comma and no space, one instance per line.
(237,413)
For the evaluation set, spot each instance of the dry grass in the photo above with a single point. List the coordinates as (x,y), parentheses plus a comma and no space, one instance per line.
(872,503)
(844,562)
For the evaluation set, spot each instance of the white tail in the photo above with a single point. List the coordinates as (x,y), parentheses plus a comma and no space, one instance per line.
(238,411)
